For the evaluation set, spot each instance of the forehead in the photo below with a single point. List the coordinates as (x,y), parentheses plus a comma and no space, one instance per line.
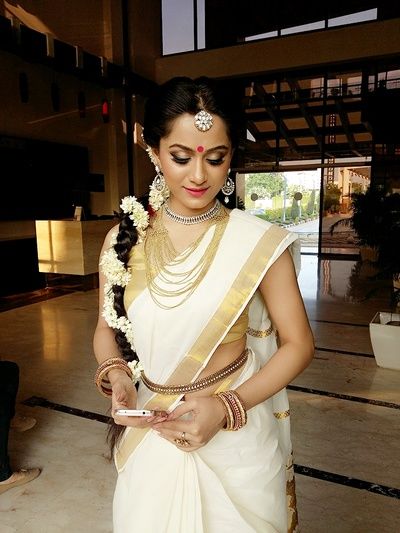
(183,131)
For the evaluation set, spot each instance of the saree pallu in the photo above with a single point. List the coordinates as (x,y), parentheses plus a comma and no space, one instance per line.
(238,481)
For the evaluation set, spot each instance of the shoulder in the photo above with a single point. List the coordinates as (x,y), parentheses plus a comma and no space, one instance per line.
(110,237)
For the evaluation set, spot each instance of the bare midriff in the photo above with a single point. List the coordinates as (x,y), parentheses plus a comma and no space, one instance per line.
(223,356)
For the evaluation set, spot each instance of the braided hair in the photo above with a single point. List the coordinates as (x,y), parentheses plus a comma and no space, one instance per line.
(127,237)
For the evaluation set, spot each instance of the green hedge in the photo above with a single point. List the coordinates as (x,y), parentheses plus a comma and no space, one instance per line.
(275,215)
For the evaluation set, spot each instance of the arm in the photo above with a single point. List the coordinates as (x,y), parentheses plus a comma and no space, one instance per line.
(285,305)
(124,395)
(104,343)
(282,297)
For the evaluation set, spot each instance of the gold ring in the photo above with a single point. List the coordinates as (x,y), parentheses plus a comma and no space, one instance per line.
(181,442)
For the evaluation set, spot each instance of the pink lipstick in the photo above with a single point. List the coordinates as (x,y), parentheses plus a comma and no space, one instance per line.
(196,192)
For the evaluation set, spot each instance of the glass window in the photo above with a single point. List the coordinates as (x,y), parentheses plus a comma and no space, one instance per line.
(201,28)
(304,27)
(177,26)
(353,18)
(262,36)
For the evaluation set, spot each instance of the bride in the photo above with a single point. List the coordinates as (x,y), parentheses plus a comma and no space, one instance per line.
(192,297)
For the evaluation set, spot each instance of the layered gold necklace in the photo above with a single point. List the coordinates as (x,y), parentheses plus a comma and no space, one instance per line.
(164,277)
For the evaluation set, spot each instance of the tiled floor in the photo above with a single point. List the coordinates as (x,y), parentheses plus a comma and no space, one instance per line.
(346,417)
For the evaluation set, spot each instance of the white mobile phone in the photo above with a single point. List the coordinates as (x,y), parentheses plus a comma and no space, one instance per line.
(139,412)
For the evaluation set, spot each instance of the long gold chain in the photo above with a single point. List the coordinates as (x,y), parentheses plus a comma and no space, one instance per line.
(161,260)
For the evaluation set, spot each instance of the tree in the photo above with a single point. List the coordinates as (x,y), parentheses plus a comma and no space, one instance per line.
(265,184)
(311,203)
(332,195)
(295,209)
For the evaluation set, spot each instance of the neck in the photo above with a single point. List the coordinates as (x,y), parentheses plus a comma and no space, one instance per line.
(195,217)
(188,211)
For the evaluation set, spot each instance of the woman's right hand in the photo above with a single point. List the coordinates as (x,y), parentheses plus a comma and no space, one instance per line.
(124,396)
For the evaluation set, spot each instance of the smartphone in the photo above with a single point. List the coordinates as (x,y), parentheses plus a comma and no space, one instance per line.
(139,412)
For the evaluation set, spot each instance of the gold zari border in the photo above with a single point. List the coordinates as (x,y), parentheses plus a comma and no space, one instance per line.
(260,333)
(282,414)
(240,291)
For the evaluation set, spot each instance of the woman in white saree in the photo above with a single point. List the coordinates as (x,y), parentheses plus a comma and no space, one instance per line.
(196,295)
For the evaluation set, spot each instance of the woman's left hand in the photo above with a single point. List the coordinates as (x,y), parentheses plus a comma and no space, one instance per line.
(207,418)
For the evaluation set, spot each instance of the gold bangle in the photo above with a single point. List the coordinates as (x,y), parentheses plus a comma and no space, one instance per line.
(239,405)
(235,409)
(106,363)
(103,375)
(228,412)
(101,379)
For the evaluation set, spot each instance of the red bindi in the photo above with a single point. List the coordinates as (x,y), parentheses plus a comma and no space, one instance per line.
(200,149)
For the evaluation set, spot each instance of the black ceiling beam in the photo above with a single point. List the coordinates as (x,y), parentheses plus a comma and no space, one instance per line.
(280,125)
(347,127)
(305,132)
(253,129)
(334,149)
(295,87)
(317,110)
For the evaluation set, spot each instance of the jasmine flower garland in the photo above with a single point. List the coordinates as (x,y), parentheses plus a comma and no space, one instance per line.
(137,213)
(116,274)
(137,369)
(157,198)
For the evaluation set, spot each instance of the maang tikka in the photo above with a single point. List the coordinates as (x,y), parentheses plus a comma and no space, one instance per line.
(228,187)
(203,120)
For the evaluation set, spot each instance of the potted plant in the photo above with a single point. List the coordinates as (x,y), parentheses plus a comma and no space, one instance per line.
(384,330)
(367,221)
(385,327)
(389,242)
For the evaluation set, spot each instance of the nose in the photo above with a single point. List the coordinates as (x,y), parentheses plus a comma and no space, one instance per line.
(198,172)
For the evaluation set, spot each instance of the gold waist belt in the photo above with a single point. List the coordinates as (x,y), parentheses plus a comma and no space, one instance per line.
(200,383)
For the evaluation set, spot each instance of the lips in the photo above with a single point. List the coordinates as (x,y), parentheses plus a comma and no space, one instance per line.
(196,192)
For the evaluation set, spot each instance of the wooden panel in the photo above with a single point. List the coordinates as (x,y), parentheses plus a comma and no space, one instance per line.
(70,247)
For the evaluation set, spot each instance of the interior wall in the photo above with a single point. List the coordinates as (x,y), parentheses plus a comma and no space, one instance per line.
(145,37)
(88,24)
(36,119)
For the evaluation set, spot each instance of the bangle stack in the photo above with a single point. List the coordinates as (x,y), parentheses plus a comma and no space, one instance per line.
(101,380)
(235,410)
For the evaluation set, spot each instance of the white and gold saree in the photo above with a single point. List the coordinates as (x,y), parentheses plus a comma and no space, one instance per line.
(238,482)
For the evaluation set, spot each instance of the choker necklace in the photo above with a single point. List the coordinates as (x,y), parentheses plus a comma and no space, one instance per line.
(196,219)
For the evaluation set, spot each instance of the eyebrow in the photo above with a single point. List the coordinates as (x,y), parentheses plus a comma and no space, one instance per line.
(213,149)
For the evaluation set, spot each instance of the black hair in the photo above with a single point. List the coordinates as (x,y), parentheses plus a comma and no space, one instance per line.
(184,95)
(175,97)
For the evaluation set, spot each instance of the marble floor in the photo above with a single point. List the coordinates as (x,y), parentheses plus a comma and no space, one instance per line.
(346,418)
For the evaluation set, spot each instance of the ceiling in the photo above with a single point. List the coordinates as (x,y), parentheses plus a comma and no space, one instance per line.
(300,118)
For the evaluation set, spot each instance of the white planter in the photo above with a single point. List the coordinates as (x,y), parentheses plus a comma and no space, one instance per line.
(385,339)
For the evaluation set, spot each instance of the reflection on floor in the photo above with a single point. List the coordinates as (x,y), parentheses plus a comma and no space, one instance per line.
(345,413)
